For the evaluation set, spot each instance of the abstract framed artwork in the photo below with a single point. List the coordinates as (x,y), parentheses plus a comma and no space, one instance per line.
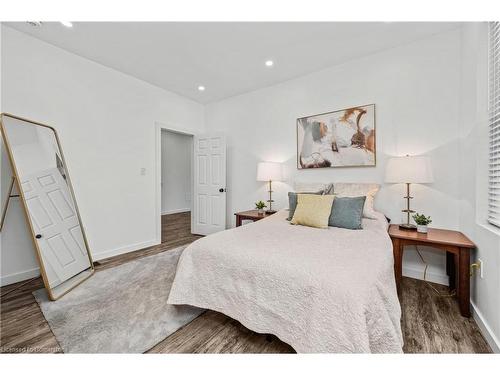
(344,138)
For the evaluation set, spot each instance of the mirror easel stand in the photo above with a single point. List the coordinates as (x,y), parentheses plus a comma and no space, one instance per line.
(7,201)
(70,282)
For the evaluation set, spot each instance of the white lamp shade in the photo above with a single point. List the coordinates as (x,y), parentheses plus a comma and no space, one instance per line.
(269,171)
(409,169)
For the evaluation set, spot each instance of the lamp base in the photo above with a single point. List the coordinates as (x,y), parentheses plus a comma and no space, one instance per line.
(407,227)
(269,212)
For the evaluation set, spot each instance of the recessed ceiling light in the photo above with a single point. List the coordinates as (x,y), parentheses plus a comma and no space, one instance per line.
(201,88)
(269,63)
(67,23)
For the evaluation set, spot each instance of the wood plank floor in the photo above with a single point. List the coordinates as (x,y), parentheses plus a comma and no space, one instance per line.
(430,324)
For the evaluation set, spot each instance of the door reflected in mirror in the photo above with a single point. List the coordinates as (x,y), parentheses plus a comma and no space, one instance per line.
(52,213)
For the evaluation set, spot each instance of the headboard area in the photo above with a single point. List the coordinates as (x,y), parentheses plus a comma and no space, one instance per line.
(345,189)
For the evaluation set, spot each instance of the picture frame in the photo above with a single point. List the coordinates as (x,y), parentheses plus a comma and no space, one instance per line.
(337,139)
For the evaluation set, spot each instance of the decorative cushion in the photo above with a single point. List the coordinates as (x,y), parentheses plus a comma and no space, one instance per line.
(313,210)
(329,189)
(292,202)
(347,212)
(343,189)
(312,187)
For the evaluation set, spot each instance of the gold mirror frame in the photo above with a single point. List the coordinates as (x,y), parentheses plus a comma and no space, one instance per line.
(90,271)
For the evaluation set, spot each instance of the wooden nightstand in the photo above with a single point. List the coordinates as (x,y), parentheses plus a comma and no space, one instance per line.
(250,215)
(457,247)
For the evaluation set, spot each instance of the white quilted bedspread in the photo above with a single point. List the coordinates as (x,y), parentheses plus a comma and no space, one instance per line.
(319,290)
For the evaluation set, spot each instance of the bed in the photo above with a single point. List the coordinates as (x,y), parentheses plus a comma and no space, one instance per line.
(319,290)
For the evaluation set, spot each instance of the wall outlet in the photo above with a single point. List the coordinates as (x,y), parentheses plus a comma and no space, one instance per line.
(480,262)
(143,171)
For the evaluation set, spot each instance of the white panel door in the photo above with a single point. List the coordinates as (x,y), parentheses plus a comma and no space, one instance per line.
(56,224)
(209,184)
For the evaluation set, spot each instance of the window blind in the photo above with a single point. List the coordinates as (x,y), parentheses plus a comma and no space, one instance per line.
(494,124)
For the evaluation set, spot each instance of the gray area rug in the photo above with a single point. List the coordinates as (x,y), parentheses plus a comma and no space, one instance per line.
(119,310)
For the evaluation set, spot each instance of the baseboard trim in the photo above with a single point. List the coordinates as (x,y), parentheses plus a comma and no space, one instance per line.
(19,276)
(124,249)
(433,277)
(485,329)
(28,274)
(176,211)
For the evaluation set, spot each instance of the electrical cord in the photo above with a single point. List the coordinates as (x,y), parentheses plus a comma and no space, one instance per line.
(437,292)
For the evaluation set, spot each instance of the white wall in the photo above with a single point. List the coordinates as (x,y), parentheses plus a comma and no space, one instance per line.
(17,259)
(415,88)
(176,155)
(473,159)
(106,122)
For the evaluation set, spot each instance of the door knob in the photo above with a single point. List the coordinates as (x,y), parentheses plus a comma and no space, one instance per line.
(38,236)
(222,190)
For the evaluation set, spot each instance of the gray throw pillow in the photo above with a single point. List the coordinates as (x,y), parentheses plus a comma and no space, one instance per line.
(347,212)
(292,202)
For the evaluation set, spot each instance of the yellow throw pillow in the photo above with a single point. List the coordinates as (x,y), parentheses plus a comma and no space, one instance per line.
(313,210)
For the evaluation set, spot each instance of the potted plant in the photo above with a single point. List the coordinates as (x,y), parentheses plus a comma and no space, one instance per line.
(260,206)
(422,222)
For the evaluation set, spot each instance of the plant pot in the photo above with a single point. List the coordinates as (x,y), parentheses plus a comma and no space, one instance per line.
(260,211)
(422,228)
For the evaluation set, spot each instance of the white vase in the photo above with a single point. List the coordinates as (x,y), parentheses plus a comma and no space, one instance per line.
(260,211)
(421,228)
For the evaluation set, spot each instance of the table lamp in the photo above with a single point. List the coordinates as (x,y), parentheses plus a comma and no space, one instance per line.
(269,171)
(408,170)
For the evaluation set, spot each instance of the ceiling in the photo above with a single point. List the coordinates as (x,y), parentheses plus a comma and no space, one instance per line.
(227,58)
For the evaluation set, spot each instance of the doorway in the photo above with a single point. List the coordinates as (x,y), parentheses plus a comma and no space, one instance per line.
(176,181)
(206,193)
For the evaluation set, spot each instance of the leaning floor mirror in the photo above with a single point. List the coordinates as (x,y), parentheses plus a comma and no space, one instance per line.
(41,177)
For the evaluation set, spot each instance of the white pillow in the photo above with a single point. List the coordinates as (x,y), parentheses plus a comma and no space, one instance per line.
(312,187)
(345,189)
